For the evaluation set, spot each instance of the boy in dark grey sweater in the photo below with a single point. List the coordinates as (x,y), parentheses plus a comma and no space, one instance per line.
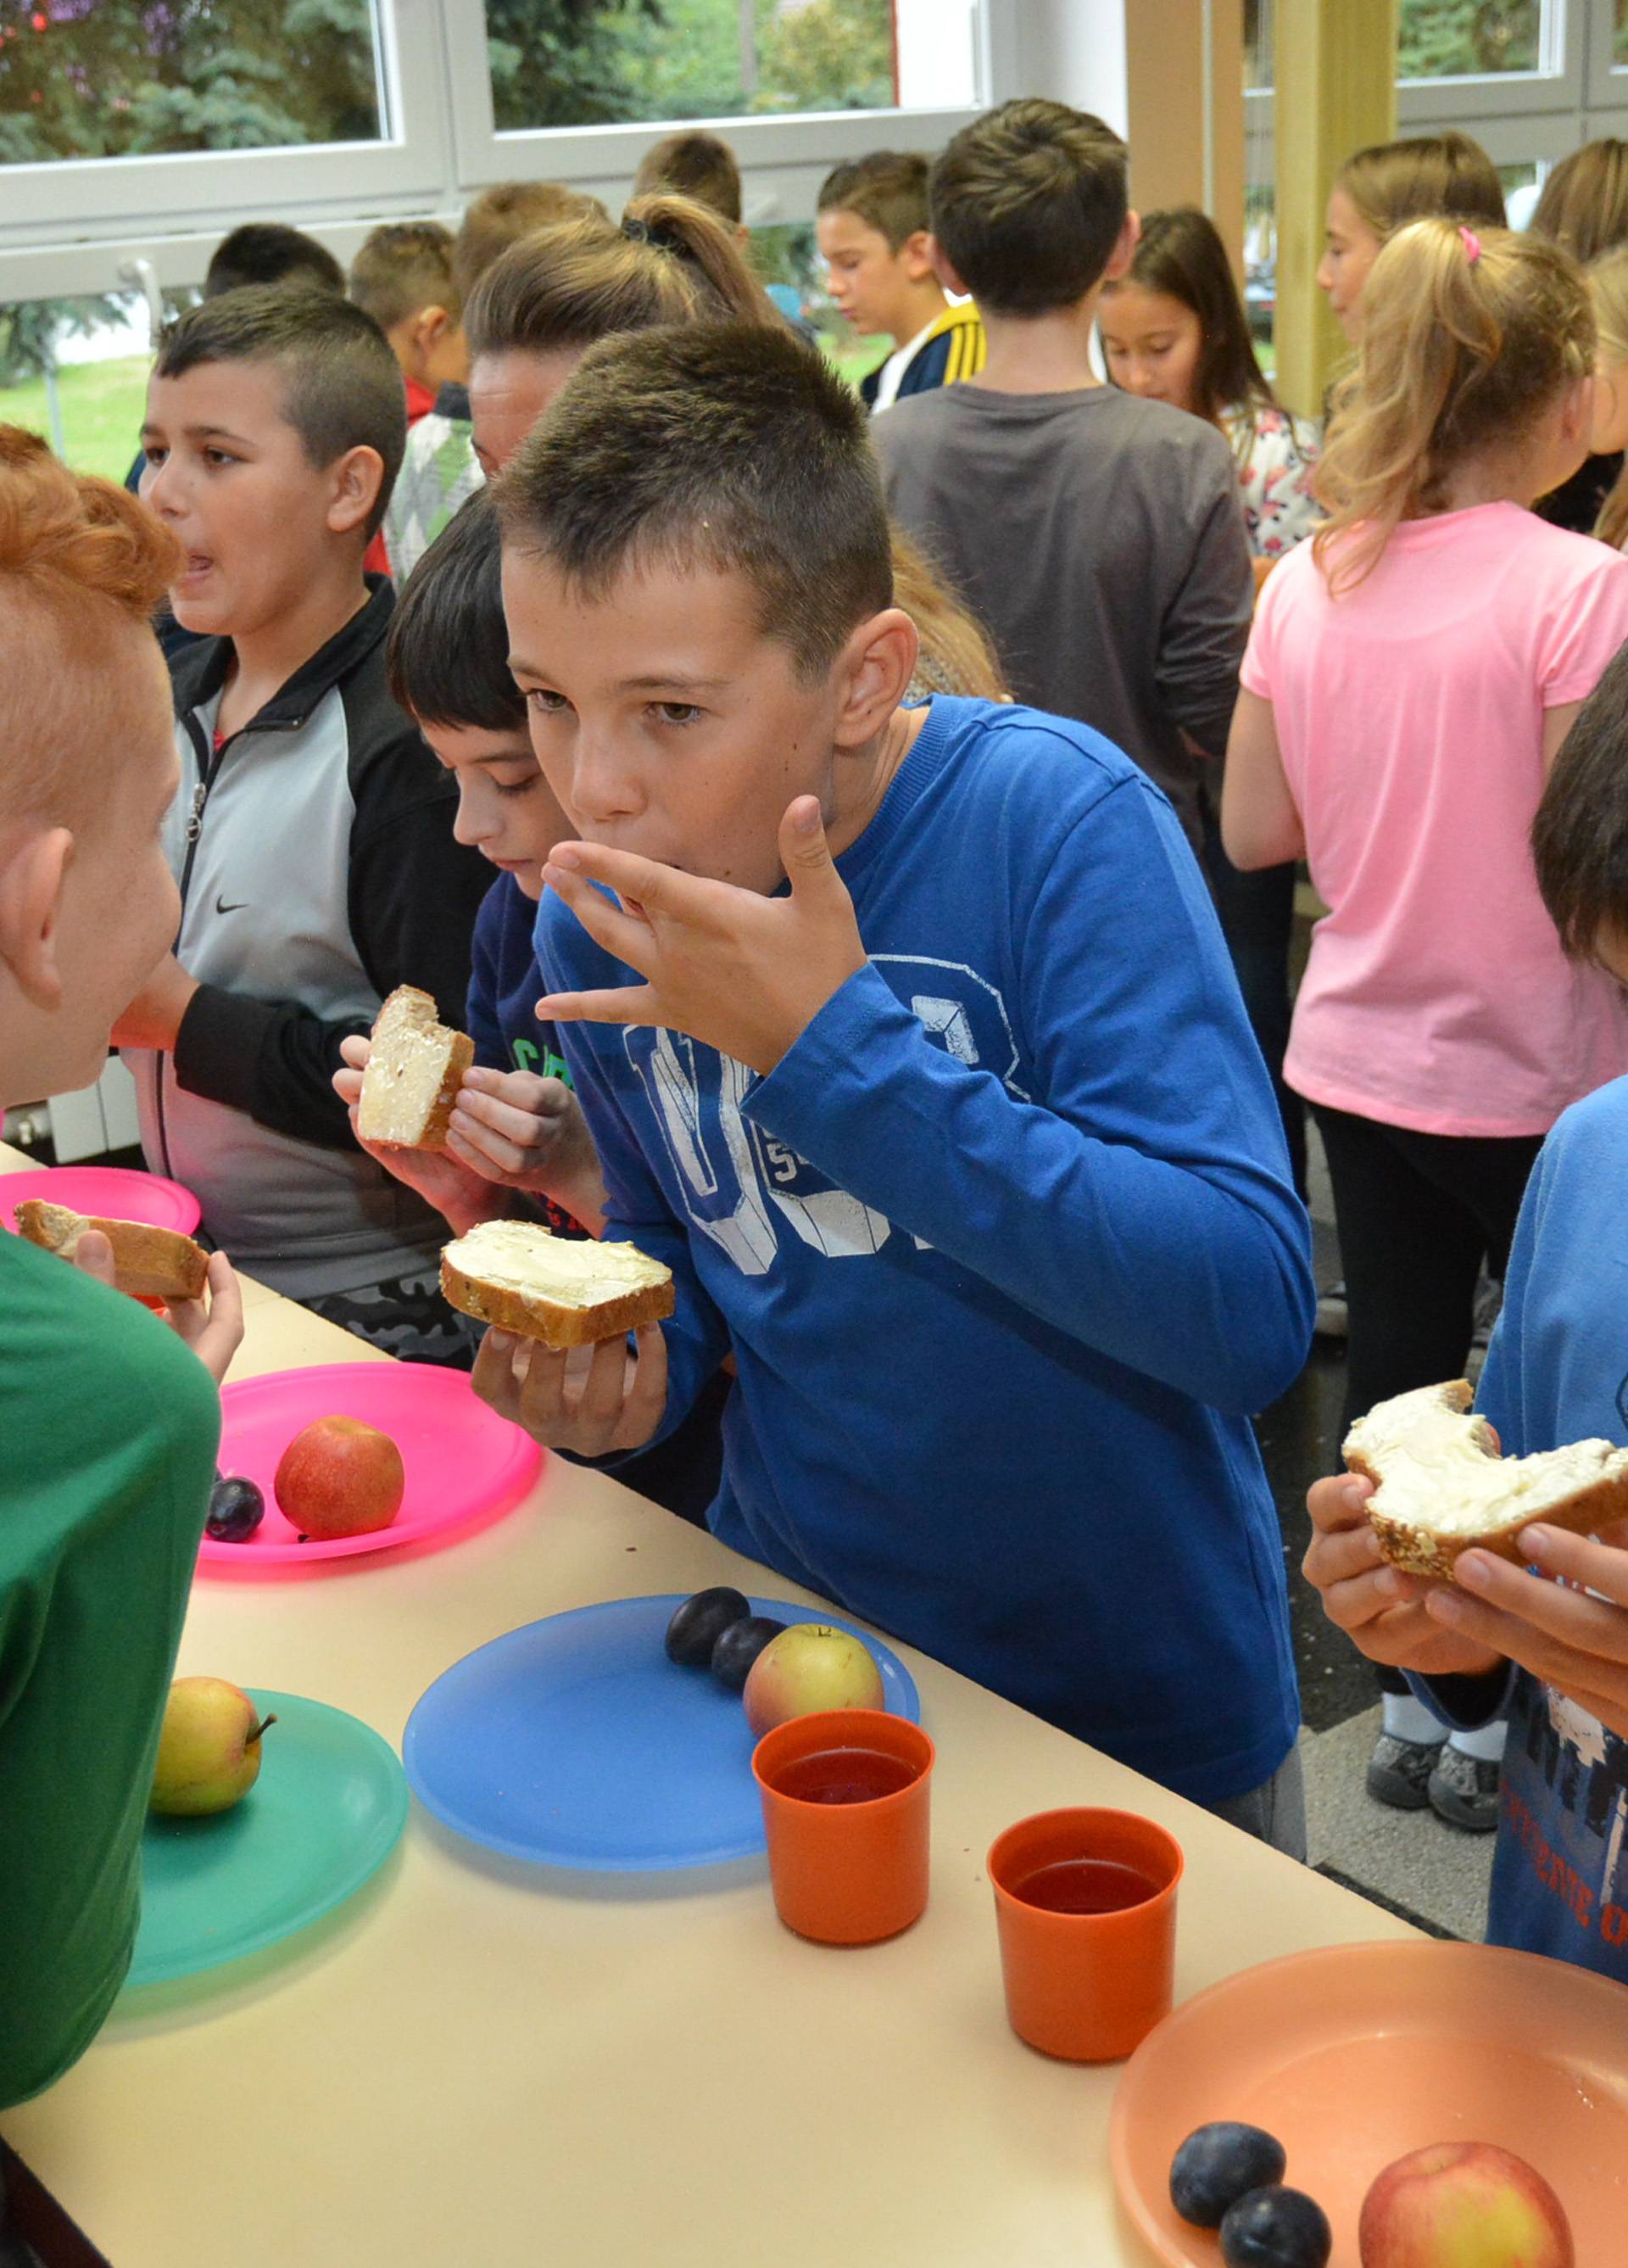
(1099,537)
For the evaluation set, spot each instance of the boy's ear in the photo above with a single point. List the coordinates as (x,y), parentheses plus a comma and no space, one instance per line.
(33,870)
(354,479)
(942,267)
(916,255)
(874,672)
(430,326)
(1124,248)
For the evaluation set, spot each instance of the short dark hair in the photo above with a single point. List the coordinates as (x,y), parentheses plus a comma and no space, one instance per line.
(447,656)
(506,214)
(1181,254)
(404,267)
(343,384)
(1028,203)
(270,252)
(693,164)
(732,445)
(887,190)
(1579,836)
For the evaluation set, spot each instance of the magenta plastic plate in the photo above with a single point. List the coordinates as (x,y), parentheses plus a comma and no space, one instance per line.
(464,1463)
(113,1192)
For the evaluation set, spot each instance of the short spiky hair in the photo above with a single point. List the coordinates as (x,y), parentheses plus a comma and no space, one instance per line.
(1028,201)
(1579,837)
(693,164)
(271,252)
(405,266)
(887,190)
(730,444)
(344,385)
(447,658)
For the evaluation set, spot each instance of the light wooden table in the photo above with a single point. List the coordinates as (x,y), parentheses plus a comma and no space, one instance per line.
(494,2066)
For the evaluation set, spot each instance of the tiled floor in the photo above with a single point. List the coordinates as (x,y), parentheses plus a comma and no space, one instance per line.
(1409,1861)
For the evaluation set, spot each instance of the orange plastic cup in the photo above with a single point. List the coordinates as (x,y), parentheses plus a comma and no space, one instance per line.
(846,1872)
(1088,1987)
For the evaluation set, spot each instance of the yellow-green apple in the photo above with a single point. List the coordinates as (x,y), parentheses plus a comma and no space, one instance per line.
(807,1668)
(340,1477)
(1463,2204)
(208,1750)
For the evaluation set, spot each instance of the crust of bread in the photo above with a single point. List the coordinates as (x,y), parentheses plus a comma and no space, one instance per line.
(1426,1551)
(151,1263)
(460,1054)
(530,1316)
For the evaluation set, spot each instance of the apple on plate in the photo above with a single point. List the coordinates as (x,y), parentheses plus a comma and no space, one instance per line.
(209,1750)
(1463,2204)
(807,1668)
(341,1477)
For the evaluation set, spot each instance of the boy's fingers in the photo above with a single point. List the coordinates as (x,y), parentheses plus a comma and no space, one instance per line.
(635,1004)
(1596,1626)
(804,850)
(1341,1555)
(356,1049)
(647,1399)
(1338,1502)
(624,935)
(93,1255)
(1597,1566)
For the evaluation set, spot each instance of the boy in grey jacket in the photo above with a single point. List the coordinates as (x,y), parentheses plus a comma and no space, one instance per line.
(313,838)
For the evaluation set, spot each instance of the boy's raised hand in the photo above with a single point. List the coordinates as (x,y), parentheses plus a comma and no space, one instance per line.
(213,1329)
(528,1133)
(742,973)
(1381,1610)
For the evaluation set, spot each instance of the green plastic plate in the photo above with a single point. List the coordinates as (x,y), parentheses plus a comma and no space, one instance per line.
(324,1813)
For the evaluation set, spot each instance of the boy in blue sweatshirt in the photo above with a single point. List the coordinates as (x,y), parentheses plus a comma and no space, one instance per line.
(908,1041)
(1547,1643)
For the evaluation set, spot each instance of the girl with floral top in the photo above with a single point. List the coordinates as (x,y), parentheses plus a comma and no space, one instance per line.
(1173,329)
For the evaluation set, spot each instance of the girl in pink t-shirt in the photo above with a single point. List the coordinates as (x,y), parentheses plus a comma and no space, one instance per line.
(1412,674)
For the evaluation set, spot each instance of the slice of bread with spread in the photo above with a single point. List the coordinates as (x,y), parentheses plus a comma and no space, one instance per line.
(1440,1485)
(567,1292)
(150,1264)
(415,1071)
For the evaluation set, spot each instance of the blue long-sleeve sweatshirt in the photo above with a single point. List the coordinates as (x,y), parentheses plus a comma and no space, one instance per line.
(1007,1250)
(1558,1372)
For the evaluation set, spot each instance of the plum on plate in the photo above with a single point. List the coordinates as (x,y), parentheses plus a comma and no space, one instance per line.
(1218,2164)
(699,1623)
(236,1510)
(739,1644)
(1275,2228)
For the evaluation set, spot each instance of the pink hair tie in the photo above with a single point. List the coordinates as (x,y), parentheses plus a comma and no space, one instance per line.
(1472,245)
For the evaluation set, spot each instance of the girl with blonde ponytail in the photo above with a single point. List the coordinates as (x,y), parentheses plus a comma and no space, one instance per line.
(1410,675)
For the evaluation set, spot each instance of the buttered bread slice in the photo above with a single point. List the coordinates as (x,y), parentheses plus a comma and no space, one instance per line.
(1440,1484)
(520,1277)
(148,1262)
(414,1073)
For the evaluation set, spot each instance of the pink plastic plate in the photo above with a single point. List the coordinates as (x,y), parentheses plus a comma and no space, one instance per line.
(113,1192)
(463,1461)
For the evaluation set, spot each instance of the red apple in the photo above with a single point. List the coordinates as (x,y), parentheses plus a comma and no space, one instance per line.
(807,1668)
(1463,2204)
(340,1477)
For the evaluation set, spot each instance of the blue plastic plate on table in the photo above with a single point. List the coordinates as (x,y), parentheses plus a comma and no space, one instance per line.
(326,1812)
(575,1741)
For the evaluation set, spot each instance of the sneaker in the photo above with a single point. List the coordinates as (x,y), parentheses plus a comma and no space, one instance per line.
(1331,1319)
(1463,1791)
(1400,1771)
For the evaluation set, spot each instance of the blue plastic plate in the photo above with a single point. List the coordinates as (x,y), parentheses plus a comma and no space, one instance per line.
(324,1813)
(576,1743)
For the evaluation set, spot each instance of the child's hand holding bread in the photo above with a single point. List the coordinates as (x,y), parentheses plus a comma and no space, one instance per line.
(150,1264)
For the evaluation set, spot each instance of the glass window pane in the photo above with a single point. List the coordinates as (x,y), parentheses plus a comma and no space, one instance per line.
(124,78)
(1619,35)
(1468,39)
(561,62)
(76,370)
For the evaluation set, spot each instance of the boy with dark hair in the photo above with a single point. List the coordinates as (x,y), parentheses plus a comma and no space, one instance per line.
(1099,537)
(517,1143)
(1545,1641)
(270,252)
(312,837)
(402,276)
(109,1424)
(983,1185)
(872,226)
(439,468)
(694,164)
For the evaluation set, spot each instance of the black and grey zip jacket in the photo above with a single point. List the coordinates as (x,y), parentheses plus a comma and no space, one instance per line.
(318,870)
